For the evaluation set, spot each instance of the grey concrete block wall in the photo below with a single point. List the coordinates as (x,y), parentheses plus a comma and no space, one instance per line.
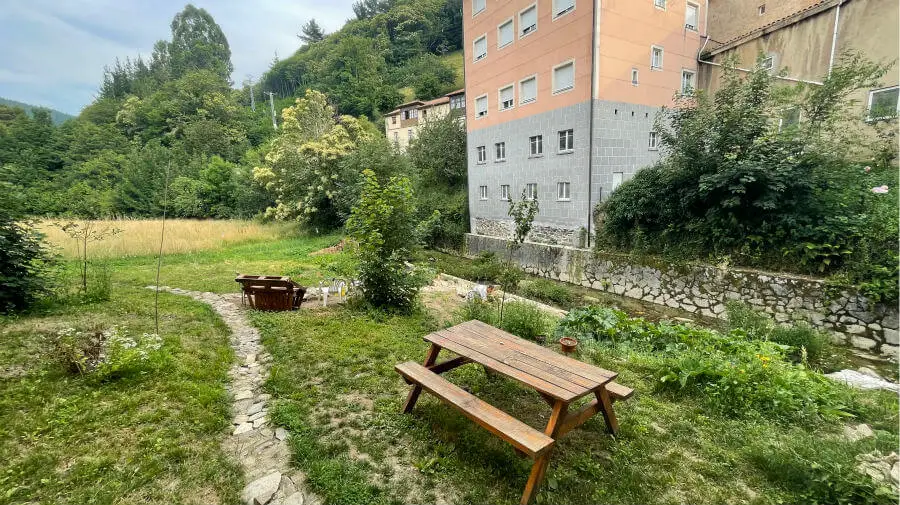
(520,168)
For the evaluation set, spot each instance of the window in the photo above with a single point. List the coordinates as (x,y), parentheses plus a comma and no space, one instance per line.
(761,10)
(659,4)
(562,191)
(396,137)
(409,134)
(504,192)
(500,151)
(424,113)
(563,77)
(536,144)
(528,20)
(480,48)
(883,103)
(481,106)
(561,7)
(458,102)
(566,141)
(789,118)
(478,6)
(527,90)
(531,191)
(483,191)
(394,119)
(653,142)
(656,58)
(480,154)
(617,180)
(634,77)
(505,33)
(692,16)
(767,63)
(507,97)
(687,82)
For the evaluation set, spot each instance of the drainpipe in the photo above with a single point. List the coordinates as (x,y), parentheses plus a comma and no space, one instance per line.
(594,61)
(834,36)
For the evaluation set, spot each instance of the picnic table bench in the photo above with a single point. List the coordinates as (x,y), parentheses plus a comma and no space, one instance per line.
(271,292)
(558,379)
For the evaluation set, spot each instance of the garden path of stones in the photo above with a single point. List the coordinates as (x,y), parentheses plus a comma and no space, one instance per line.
(261,449)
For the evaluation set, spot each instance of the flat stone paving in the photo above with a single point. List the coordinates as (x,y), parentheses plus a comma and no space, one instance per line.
(261,448)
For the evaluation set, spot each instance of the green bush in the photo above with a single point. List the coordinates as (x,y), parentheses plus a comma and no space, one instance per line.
(805,341)
(736,185)
(487,268)
(24,260)
(477,309)
(591,323)
(546,291)
(525,320)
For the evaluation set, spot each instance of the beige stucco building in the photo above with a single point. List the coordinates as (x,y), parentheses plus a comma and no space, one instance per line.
(402,124)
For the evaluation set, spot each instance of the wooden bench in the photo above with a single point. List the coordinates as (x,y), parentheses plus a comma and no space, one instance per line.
(526,439)
(271,292)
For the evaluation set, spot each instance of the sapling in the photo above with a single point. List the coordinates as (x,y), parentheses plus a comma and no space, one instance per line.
(523,213)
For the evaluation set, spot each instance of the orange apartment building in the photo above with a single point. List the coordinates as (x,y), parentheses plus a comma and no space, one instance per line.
(562,96)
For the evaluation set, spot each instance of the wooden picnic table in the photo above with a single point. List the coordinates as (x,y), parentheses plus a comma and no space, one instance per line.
(559,380)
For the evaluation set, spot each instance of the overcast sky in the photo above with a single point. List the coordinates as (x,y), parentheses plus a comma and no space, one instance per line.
(52,52)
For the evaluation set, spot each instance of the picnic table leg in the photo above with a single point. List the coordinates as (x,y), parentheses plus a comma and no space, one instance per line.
(560,408)
(416,390)
(607,410)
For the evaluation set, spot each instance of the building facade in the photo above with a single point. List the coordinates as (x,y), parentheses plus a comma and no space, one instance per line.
(562,96)
(402,124)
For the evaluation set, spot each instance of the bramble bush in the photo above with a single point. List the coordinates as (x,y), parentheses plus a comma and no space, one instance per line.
(744,181)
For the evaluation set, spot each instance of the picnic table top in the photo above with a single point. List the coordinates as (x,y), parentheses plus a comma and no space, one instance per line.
(533,365)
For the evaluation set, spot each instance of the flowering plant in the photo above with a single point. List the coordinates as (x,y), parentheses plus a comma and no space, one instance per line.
(106,353)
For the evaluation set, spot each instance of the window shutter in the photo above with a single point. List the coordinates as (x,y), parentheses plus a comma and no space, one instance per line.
(562,6)
(529,90)
(528,20)
(480,48)
(477,6)
(506,34)
(506,97)
(565,77)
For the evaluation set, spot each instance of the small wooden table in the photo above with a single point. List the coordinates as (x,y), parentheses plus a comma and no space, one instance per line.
(559,380)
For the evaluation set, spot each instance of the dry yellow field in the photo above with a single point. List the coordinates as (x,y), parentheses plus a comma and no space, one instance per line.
(140,237)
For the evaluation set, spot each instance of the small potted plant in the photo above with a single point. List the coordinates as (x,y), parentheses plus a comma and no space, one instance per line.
(568,345)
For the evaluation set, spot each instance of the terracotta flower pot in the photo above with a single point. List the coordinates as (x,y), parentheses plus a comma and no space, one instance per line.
(568,344)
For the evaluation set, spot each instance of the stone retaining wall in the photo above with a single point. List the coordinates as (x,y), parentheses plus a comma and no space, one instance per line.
(704,290)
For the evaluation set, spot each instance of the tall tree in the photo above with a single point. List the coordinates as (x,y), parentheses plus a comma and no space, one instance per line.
(198,44)
(311,32)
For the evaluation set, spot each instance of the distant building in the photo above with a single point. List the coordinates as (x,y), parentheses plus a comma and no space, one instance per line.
(402,124)
(563,95)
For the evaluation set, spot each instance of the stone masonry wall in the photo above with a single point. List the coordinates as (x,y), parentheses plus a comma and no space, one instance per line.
(704,290)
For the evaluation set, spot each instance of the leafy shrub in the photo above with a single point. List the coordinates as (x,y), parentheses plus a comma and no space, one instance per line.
(105,354)
(384,224)
(24,260)
(547,291)
(735,184)
(804,340)
(486,267)
(477,309)
(525,320)
(591,323)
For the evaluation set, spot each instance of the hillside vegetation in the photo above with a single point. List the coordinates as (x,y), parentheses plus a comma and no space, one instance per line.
(55,115)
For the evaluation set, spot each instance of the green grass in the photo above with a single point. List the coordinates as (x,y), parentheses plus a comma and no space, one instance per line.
(455,61)
(154,438)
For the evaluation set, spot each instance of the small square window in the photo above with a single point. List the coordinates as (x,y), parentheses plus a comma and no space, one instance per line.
(653,141)
(566,141)
(536,145)
(409,134)
(531,191)
(504,192)
(562,191)
(883,104)
(656,58)
(789,118)
(396,137)
(528,21)
(394,119)
(767,63)
(483,191)
(761,10)
(659,4)
(480,154)
(500,151)
(634,77)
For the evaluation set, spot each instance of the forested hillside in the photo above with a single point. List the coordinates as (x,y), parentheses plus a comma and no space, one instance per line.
(57,116)
(171,131)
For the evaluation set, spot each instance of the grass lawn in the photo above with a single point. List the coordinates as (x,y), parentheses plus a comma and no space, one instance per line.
(154,437)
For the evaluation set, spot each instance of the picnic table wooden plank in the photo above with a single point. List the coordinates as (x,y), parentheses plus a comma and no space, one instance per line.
(541,385)
(513,355)
(518,360)
(538,351)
